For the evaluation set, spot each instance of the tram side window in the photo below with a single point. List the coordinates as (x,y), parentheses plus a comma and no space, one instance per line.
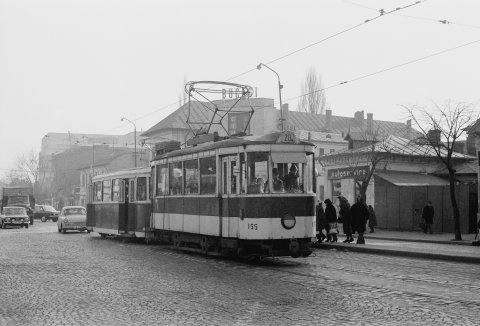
(141,188)
(208,175)
(116,190)
(190,171)
(162,180)
(176,178)
(107,190)
(97,191)
(257,172)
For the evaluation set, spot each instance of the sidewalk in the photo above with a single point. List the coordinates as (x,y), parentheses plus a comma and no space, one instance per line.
(412,244)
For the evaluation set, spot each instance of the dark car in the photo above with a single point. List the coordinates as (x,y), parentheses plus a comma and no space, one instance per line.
(14,216)
(45,213)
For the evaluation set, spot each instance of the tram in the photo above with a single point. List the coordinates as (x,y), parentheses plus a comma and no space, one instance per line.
(119,203)
(226,197)
(247,196)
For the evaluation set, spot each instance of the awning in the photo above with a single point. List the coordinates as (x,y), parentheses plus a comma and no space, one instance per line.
(289,158)
(412,179)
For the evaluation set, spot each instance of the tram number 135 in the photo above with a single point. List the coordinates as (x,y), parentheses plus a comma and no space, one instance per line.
(252,226)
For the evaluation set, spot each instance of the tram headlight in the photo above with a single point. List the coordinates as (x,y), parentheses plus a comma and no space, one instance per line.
(288,221)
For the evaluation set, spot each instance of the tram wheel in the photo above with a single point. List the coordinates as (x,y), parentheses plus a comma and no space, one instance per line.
(103,235)
(204,245)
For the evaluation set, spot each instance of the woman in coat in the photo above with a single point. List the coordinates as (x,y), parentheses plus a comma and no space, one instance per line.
(331,219)
(347,221)
(372,219)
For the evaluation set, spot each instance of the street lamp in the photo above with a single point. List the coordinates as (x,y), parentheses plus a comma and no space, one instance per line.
(280,86)
(134,136)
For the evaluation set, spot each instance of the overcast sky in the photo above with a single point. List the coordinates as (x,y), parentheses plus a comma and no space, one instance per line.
(80,66)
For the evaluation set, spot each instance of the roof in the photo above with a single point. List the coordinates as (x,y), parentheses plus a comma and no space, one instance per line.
(463,168)
(403,179)
(316,136)
(347,125)
(401,146)
(202,112)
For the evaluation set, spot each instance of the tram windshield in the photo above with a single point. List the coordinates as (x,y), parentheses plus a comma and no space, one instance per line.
(283,173)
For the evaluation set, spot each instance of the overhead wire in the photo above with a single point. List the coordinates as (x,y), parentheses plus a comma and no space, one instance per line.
(382,14)
(388,69)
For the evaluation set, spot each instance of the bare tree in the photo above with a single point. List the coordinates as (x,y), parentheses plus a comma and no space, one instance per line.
(183,97)
(442,127)
(370,155)
(313,99)
(27,166)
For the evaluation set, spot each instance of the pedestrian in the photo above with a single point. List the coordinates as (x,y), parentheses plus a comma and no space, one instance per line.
(372,219)
(359,216)
(427,216)
(321,222)
(331,219)
(346,218)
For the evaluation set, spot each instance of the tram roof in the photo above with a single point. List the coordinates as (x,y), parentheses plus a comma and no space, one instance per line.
(123,173)
(272,138)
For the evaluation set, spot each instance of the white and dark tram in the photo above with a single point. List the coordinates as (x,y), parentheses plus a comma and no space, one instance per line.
(119,203)
(248,196)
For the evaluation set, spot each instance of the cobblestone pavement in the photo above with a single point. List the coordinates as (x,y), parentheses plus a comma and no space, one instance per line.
(48,278)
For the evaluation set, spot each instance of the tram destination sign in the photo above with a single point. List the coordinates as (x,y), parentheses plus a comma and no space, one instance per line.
(349,173)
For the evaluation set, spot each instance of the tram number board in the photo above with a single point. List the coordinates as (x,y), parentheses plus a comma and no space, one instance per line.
(252,226)
(287,137)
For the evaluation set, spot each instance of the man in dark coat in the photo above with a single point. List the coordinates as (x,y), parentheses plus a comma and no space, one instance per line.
(346,219)
(331,218)
(359,215)
(321,222)
(427,215)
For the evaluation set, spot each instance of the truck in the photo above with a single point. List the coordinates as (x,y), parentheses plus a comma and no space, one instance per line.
(19,196)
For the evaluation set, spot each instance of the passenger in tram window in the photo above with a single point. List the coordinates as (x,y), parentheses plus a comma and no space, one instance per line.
(291,179)
(176,188)
(276,181)
(260,185)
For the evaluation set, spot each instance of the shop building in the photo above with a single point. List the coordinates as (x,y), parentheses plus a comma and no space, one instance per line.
(405,175)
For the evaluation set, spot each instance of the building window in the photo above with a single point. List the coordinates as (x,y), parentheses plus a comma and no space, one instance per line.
(332,150)
(321,151)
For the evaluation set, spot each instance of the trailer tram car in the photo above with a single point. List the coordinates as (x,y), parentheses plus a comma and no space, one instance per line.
(119,203)
(248,196)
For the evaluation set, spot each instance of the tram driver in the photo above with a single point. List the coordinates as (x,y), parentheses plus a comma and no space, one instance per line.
(291,179)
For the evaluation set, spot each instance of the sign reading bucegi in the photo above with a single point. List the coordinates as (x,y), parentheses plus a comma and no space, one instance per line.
(349,173)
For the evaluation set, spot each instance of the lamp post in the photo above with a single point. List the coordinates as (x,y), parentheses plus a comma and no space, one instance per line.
(134,136)
(280,86)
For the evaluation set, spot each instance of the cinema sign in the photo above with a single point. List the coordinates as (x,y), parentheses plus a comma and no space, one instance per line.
(349,173)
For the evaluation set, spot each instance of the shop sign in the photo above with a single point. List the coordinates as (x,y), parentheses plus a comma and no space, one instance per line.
(349,173)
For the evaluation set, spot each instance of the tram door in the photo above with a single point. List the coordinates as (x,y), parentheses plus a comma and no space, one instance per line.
(129,192)
(229,190)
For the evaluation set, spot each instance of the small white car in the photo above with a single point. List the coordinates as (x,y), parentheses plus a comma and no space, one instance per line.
(14,216)
(72,218)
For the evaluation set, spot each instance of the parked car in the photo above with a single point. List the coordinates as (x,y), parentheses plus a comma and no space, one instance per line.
(45,213)
(14,216)
(72,218)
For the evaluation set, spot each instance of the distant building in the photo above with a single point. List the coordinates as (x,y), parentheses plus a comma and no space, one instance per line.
(83,145)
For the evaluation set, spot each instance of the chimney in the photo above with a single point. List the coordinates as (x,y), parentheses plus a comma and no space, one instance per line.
(409,124)
(359,116)
(433,136)
(370,123)
(328,120)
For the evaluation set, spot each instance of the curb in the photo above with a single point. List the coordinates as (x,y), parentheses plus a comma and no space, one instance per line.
(449,242)
(401,253)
